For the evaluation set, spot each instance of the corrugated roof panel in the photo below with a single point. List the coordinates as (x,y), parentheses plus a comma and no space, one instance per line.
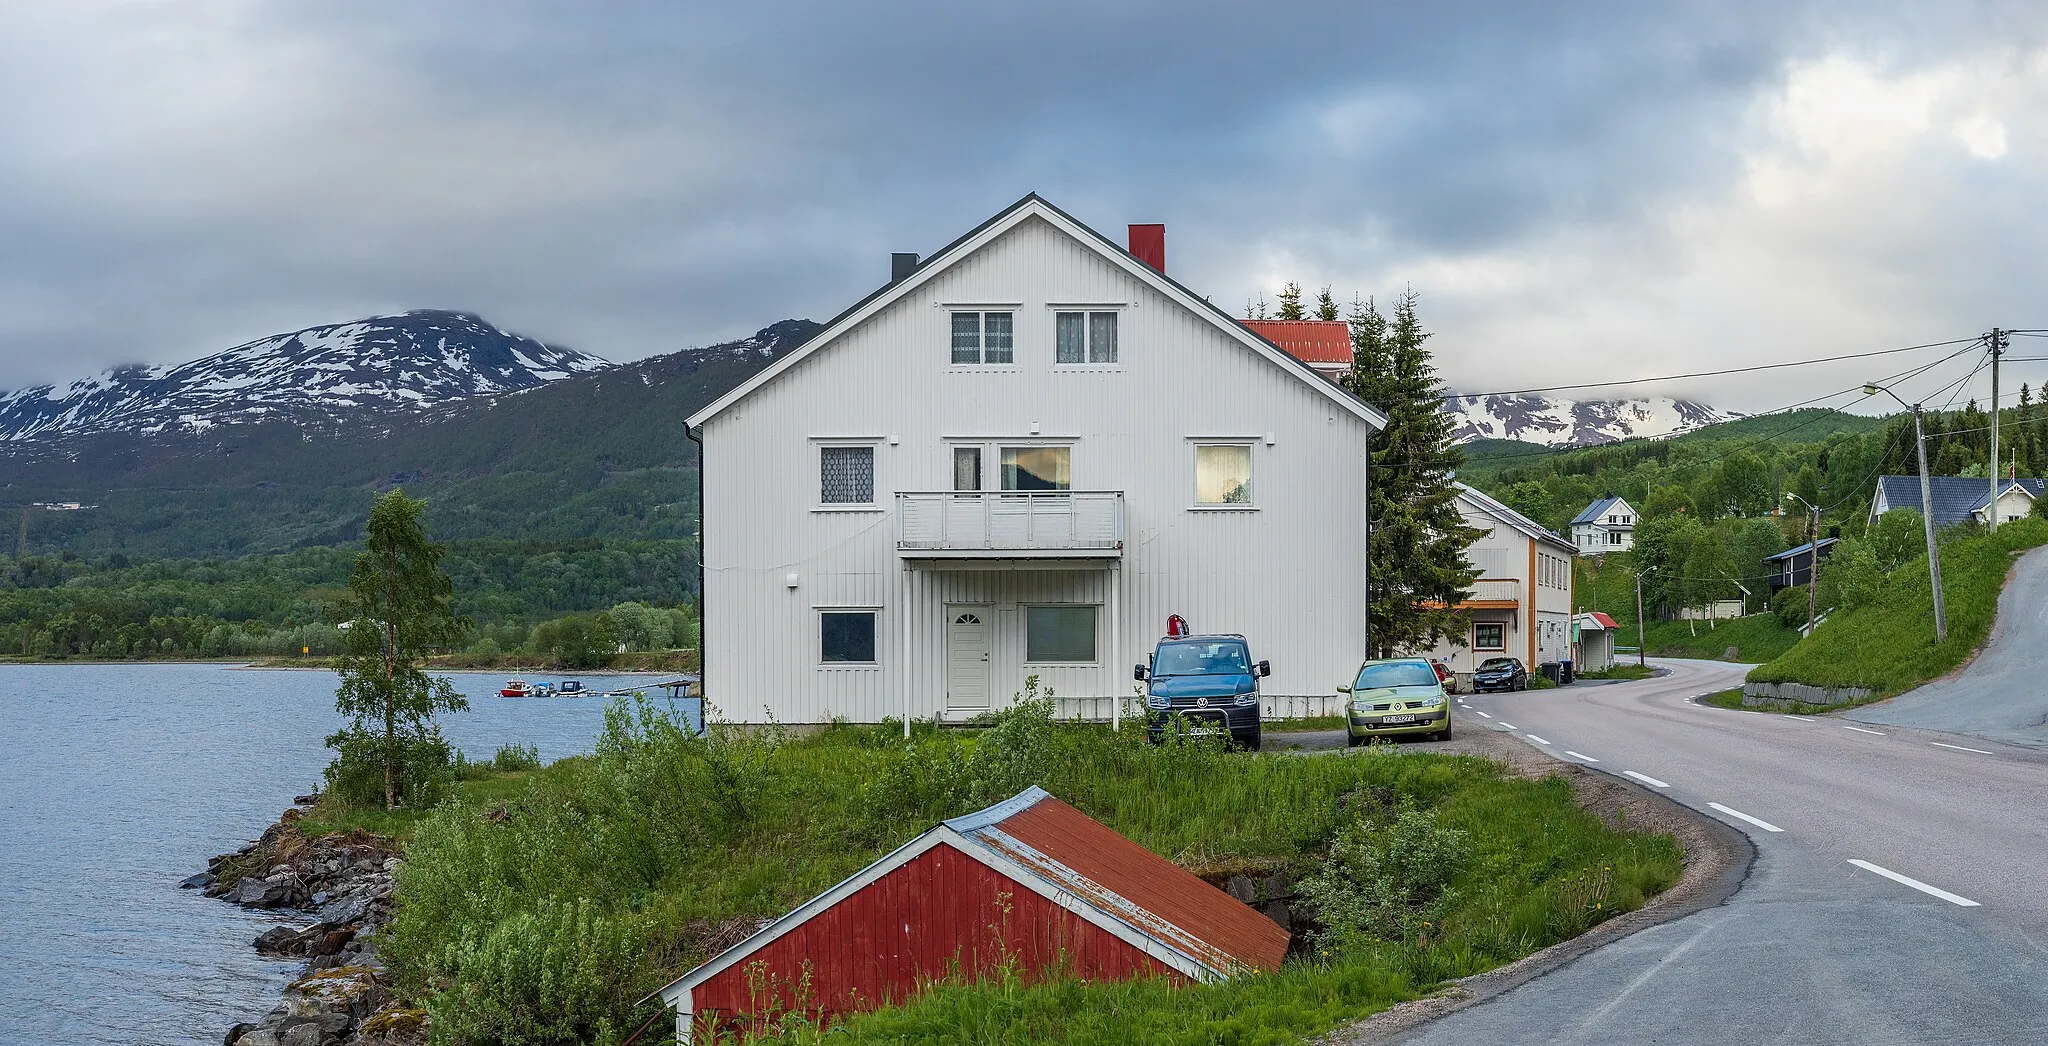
(1955,497)
(1159,898)
(1321,342)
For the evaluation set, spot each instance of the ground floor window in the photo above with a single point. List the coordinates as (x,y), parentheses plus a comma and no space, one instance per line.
(1489,635)
(1059,634)
(846,636)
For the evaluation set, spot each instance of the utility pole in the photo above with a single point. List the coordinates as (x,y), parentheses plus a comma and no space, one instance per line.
(1812,558)
(1640,643)
(1926,511)
(1997,350)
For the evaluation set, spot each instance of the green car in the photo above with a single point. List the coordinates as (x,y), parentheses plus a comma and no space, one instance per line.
(1394,699)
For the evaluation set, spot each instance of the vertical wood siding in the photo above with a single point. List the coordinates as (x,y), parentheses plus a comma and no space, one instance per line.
(941,913)
(1290,575)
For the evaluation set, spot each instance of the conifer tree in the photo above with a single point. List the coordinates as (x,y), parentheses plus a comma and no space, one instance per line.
(1417,573)
(1326,306)
(1290,302)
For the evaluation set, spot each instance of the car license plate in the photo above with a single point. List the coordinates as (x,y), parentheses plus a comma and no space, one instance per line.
(1390,720)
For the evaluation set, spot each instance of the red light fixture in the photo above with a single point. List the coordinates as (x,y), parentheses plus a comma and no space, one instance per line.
(1176,625)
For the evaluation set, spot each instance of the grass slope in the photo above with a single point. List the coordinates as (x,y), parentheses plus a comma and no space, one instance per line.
(1607,584)
(546,917)
(1888,646)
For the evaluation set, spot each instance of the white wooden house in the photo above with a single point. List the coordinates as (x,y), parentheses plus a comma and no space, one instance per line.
(1017,459)
(1606,525)
(1521,604)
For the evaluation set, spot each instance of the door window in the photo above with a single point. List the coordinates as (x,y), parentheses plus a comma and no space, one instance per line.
(1037,468)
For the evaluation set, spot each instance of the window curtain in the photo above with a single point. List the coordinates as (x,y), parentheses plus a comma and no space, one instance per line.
(846,475)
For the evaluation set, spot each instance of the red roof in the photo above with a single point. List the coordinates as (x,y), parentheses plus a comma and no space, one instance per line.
(1605,621)
(1134,885)
(1319,343)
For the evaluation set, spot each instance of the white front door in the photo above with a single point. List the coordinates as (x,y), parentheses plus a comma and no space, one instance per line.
(967,658)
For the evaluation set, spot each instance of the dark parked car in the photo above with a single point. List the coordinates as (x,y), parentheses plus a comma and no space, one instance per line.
(1500,673)
(1211,682)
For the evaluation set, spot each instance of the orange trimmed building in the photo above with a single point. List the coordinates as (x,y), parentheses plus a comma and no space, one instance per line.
(1521,604)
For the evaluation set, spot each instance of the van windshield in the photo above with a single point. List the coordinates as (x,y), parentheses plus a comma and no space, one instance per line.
(1202,658)
(1395,673)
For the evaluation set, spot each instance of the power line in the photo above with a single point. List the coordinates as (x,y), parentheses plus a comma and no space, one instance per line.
(1719,373)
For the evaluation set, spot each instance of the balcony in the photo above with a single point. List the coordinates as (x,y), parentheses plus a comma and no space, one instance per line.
(1010,524)
(1494,593)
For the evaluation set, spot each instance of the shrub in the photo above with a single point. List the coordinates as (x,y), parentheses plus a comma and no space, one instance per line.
(561,973)
(1789,604)
(356,776)
(1388,876)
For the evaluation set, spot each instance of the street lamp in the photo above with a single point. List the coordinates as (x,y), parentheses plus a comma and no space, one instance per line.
(1926,511)
(1812,557)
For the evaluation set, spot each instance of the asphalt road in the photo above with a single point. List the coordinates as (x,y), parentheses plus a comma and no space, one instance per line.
(1812,948)
(1999,695)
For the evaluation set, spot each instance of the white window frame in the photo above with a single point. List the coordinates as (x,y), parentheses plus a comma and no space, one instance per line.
(1088,311)
(1096,640)
(1195,443)
(818,613)
(981,314)
(819,445)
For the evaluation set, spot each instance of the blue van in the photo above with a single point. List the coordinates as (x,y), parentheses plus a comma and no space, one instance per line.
(1209,681)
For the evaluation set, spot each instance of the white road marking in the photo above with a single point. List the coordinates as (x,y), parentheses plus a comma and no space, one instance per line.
(1484,714)
(1800,718)
(1746,711)
(1959,748)
(1646,779)
(1580,755)
(1739,815)
(1507,724)
(1932,891)
(1536,739)
(1860,730)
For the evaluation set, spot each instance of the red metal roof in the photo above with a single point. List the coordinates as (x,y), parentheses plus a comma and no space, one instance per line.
(1319,343)
(1605,621)
(1129,883)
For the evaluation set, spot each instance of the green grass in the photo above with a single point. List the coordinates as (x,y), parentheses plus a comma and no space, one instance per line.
(545,915)
(1888,646)
(1756,638)
(1729,698)
(1313,722)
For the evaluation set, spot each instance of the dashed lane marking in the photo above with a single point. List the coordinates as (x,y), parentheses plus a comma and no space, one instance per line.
(1647,779)
(1536,739)
(1959,748)
(1796,718)
(1740,816)
(1580,755)
(1487,716)
(1931,891)
(1507,724)
(1860,730)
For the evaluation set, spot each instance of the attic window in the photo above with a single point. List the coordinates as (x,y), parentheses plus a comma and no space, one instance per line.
(984,337)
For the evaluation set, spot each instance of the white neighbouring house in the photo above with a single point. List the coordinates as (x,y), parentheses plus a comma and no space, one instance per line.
(1017,459)
(1521,604)
(1606,525)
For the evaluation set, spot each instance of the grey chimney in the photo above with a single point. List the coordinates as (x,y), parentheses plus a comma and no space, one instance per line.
(901,265)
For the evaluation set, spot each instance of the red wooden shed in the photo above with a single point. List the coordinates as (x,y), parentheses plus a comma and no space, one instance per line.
(1030,883)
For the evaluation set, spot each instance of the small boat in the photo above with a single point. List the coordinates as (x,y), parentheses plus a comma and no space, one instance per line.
(516,688)
(570,688)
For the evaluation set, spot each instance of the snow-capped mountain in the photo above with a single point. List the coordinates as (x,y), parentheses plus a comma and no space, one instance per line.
(418,359)
(1576,423)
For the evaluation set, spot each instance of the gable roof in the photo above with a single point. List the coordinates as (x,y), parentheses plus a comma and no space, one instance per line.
(1955,497)
(1600,620)
(1801,550)
(1527,526)
(1035,206)
(1084,866)
(1315,342)
(1594,511)
(2004,488)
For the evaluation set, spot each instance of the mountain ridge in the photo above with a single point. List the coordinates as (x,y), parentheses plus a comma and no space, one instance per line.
(1542,420)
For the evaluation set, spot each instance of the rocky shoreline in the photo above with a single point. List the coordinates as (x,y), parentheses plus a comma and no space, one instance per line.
(339,885)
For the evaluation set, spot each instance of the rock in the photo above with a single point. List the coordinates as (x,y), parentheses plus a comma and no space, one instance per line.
(391,865)
(260,893)
(195,882)
(278,940)
(237,1031)
(345,910)
(304,1035)
(258,1037)
(306,800)
(1240,887)
(1277,911)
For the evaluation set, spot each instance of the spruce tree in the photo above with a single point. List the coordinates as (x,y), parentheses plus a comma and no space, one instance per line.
(1290,302)
(1326,306)
(1417,573)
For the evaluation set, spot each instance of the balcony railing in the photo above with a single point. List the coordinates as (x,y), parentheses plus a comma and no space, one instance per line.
(1496,590)
(1005,523)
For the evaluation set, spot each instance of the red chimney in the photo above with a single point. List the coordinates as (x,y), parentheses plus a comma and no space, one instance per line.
(1148,242)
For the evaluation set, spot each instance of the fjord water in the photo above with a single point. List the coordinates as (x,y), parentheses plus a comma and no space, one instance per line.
(116,781)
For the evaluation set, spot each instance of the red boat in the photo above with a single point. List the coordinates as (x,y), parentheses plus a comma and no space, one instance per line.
(516,688)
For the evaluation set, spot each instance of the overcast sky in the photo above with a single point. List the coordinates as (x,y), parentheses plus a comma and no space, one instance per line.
(1607,190)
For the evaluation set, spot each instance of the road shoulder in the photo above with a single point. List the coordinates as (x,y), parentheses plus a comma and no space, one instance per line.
(1717,860)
